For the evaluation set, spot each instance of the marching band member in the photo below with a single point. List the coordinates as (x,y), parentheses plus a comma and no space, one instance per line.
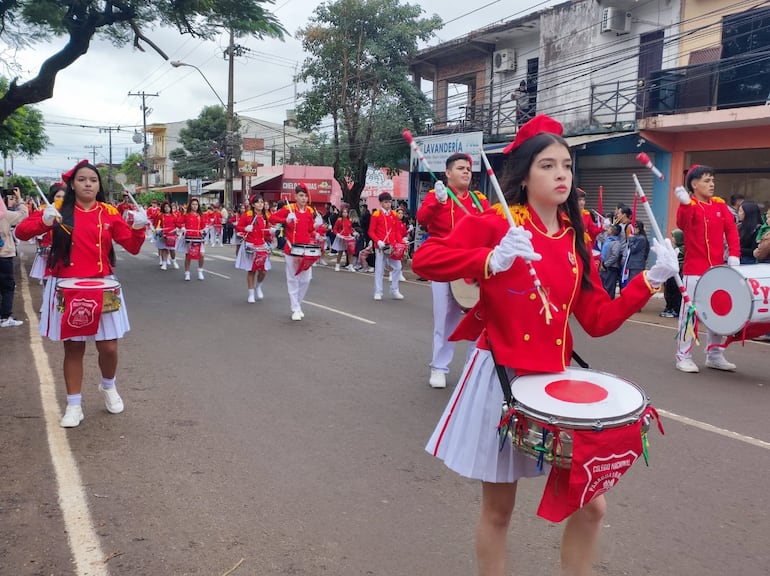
(300,228)
(253,226)
(343,230)
(707,225)
(590,226)
(153,212)
(84,228)
(386,230)
(216,227)
(529,334)
(166,223)
(194,230)
(237,238)
(440,215)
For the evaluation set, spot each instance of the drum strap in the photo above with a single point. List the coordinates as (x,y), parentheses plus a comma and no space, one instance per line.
(502,375)
(579,360)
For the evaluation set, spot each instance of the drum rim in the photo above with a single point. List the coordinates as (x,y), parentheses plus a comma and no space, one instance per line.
(574,423)
(110,283)
(741,309)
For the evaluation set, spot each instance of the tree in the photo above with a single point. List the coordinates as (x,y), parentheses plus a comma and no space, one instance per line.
(358,69)
(203,141)
(25,23)
(133,168)
(22,133)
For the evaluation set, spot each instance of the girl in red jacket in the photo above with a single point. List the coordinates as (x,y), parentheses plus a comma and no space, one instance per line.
(167,224)
(84,228)
(254,255)
(526,336)
(193,228)
(344,235)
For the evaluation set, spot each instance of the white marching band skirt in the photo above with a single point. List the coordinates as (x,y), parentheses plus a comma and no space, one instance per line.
(466,436)
(112,325)
(244,261)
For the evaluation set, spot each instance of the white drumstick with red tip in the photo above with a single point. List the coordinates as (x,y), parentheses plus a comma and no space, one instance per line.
(647,163)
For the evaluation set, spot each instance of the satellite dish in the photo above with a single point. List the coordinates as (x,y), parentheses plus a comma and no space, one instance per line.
(121,178)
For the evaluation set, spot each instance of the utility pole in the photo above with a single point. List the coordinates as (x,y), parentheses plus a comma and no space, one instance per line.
(109,169)
(232,51)
(93,149)
(144,131)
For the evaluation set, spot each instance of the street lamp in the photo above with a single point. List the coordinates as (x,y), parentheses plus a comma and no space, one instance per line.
(229,197)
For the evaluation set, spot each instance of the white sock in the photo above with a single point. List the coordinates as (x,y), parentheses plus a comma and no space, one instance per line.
(74,399)
(108,382)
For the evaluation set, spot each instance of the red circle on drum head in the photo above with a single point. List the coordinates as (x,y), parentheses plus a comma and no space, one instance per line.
(89,283)
(576,391)
(721,302)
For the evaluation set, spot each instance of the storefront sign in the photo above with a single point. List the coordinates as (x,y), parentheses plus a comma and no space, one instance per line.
(438,148)
(316,188)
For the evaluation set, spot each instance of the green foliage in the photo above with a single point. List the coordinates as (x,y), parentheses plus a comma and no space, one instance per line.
(131,167)
(358,68)
(317,151)
(25,23)
(204,142)
(26,185)
(23,132)
(147,197)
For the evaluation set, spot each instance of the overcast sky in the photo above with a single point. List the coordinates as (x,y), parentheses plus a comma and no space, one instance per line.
(94,91)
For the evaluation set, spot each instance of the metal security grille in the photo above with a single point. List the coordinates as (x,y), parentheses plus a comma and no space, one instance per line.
(618,187)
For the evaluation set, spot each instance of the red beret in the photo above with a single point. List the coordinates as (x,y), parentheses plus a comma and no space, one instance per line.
(67,176)
(538,124)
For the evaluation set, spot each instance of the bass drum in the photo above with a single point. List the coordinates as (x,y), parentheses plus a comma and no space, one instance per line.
(466,293)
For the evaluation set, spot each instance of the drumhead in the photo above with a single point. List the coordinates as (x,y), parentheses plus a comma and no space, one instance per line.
(88,283)
(464,293)
(579,398)
(724,299)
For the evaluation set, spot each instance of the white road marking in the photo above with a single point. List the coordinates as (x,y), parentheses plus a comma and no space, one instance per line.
(340,312)
(207,271)
(83,541)
(716,430)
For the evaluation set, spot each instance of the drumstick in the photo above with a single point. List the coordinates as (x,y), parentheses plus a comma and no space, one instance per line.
(691,320)
(408,137)
(501,197)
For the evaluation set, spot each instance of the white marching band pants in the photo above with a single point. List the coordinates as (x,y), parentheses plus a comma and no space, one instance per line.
(297,284)
(713,340)
(446,316)
(379,272)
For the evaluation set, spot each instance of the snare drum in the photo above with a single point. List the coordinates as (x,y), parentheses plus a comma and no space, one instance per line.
(109,287)
(305,250)
(547,405)
(465,293)
(727,298)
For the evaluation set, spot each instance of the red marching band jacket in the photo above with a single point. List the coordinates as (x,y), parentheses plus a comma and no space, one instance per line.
(386,227)
(706,227)
(93,233)
(440,219)
(343,227)
(261,231)
(303,230)
(194,224)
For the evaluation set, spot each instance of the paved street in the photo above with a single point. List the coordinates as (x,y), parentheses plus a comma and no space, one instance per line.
(254,445)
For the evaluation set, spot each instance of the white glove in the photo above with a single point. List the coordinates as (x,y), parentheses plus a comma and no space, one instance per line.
(666,265)
(249,228)
(405,240)
(380,244)
(606,223)
(355,234)
(140,218)
(292,217)
(733,261)
(318,220)
(517,243)
(51,214)
(682,195)
(274,230)
(440,190)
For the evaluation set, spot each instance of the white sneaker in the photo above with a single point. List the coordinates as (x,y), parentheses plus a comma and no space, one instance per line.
(175,265)
(168,261)
(401,277)
(10,322)
(336,267)
(200,274)
(687,365)
(260,295)
(350,267)
(377,296)
(163,266)
(301,313)
(437,379)
(720,363)
(296,315)
(396,295)
(251,299)
(73,415)
(187,276)
(112,400)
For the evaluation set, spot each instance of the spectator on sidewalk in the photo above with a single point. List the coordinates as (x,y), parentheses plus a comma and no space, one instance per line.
(9,219)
